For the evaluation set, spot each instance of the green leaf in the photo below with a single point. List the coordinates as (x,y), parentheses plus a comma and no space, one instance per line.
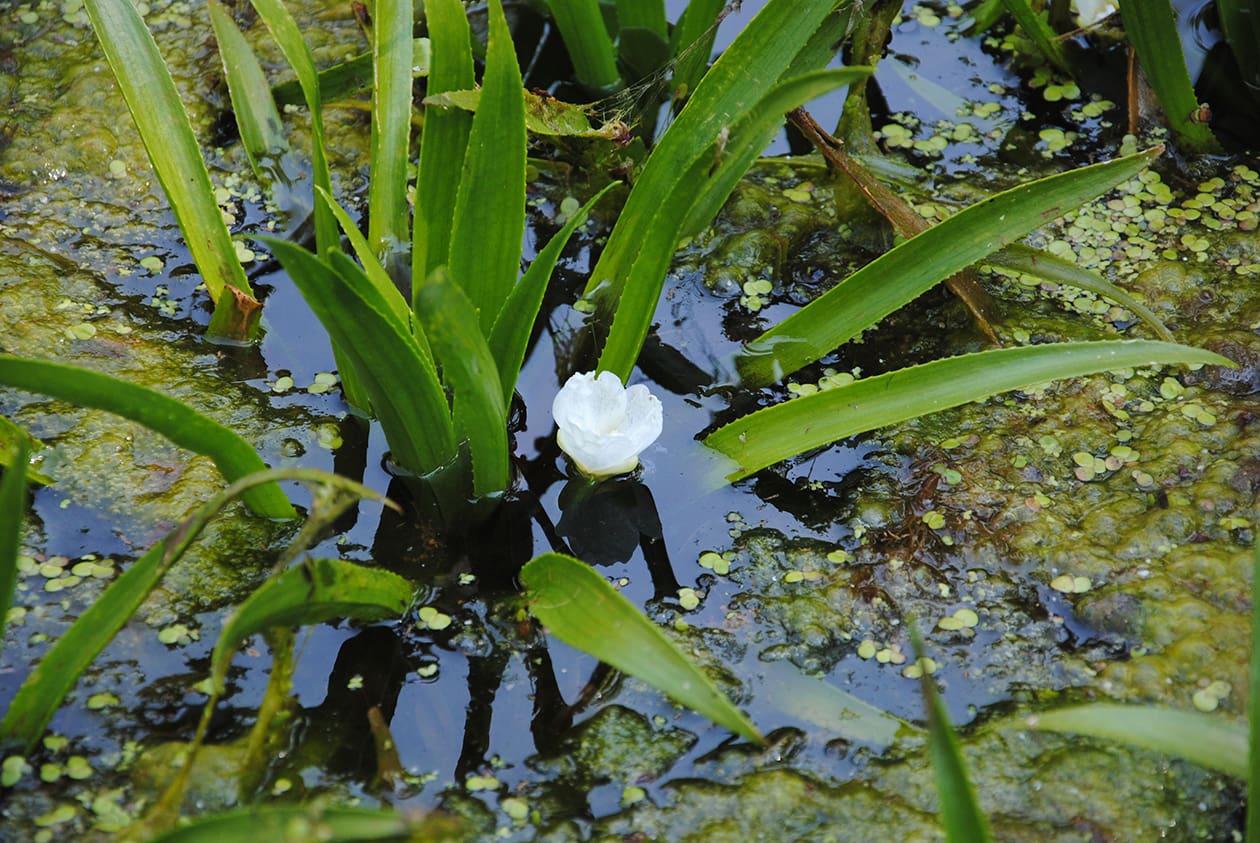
(785,430)
(485,258)
(1020,258)
(311,592)
(1253,707)
(385,292)
(510,336)
(13,436)
(1037,29)
(326,823)
(349,77)
(751,135)
(581,25)
(579,607)
(444,141)
(648,14)
(176,421)
(288,37)
(402,386)
(388,213)
(261,129)
(692,41)
(628,276)
(1206,740)
(1151,27)
(168,138)
(12,517)
(695,198)
(1241,25)
(961,818)
(916,265)
(468,365)
(47,685)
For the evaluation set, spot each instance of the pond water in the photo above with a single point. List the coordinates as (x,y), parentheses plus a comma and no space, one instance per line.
(1138,487)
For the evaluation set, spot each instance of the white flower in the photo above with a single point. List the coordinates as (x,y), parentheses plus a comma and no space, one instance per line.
(1090,12)
(603,425)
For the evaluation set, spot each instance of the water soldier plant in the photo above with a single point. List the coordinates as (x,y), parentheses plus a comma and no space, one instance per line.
(438,368)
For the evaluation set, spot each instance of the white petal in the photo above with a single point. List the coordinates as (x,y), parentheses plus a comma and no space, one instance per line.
(602,425)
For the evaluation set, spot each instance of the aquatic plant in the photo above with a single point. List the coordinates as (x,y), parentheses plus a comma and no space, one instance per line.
(168,138)
(641,43)
(1151,30)
(893,280)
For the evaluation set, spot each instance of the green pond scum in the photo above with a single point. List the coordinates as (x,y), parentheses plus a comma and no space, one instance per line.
(1079,541)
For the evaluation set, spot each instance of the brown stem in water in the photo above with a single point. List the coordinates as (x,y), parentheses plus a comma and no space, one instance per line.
(904,219)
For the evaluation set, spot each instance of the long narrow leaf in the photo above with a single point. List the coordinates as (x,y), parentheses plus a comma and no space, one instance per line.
(753,63)
(692,41)
(379,279)
(695,198)
(314,591)
(404,391)
(288,37)
(485,257)
(261,129)
(284,30)
(785,430)
(168,138)
(281,822)
(579,607)
(1151,27)
(444,141)
(1205,739)
(1253,707)
(961,818)
(468,365)
(388,215)
(12,517)
(581,25)
(386,293)
(648,14)
(913,267)
(176,421)
(349,77)
(1050,267)
(510,335)
(42,692)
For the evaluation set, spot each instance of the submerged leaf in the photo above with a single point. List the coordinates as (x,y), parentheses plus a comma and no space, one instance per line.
(1205,739)
(580,608)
